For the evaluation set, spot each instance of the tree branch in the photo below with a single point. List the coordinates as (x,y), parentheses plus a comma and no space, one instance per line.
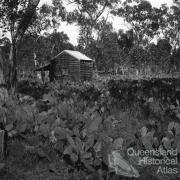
(26,19)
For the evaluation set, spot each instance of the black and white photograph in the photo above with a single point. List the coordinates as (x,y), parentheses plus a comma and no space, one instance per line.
(89,89)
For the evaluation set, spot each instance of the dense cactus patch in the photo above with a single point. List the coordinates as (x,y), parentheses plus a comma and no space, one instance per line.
(82,125)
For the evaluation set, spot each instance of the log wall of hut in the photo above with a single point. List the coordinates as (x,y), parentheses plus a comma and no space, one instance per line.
(66,66)
(86,68)
(74,69)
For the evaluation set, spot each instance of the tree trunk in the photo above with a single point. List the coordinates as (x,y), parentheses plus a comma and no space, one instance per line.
(12,80)
(16,40)
(3,89)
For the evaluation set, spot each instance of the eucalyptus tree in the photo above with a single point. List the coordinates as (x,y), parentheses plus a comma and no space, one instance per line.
(15,17)
(172,29)
(88,15)
(145,20)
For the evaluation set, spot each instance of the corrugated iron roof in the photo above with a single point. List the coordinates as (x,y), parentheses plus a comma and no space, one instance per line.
(76,54)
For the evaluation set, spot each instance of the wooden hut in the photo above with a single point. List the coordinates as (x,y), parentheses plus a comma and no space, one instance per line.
(69,64)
